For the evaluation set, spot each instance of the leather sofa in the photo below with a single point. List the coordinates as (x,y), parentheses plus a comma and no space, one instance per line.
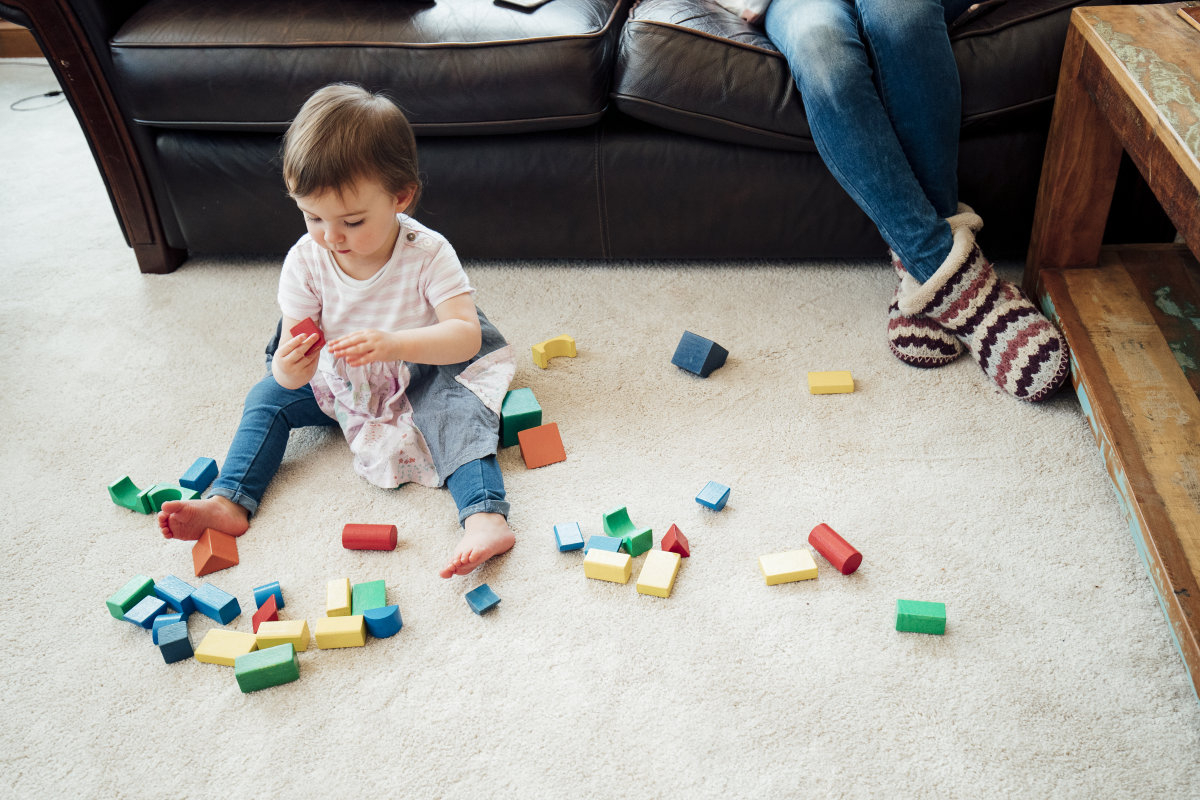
(584,129)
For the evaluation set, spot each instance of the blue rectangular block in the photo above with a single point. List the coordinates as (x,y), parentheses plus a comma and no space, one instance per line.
(216,604)
(145,611)
(481,598)
(163,620)
(568,536)
(261,593)
(200,474)
(713,495)
(176,592)
(174,642)
(609,543)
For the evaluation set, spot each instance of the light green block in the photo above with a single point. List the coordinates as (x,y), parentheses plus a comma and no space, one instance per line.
(365,596)
(638,542)
(635,540)
(129,595)
(918,616)
(263,668)
(519,411)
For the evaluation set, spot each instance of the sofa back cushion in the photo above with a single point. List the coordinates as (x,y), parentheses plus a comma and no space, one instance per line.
(454,66)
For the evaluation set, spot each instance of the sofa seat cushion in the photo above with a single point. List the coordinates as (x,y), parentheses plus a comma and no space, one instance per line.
(454,66)
(693,67)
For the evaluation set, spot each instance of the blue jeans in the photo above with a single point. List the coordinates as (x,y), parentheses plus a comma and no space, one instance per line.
(271,413)
(881,92)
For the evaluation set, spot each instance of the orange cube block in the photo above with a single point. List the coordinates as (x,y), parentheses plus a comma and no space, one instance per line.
(214,551)
(541,446)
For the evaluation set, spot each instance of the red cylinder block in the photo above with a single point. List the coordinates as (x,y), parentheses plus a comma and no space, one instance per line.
(836,550)
(369,537)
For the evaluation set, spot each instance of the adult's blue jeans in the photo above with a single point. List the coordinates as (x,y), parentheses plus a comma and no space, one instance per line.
(881,92)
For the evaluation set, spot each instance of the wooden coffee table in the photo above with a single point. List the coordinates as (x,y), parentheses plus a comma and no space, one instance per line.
(1130,82)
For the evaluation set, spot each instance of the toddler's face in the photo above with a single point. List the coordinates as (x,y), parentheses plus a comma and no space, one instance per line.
(358,225)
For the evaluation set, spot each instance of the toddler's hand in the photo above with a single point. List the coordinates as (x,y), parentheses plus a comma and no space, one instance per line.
(366,347)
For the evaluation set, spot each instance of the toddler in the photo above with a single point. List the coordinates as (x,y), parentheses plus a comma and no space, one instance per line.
(412,372)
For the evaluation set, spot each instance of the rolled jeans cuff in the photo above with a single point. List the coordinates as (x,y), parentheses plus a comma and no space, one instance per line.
(242,499)
(500,507)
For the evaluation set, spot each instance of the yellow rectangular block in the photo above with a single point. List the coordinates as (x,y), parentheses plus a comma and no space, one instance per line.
(606,565)
(221,646)
(658,573)
(337,598)
(283,631)
(830,382)
(341,632)
(796,565)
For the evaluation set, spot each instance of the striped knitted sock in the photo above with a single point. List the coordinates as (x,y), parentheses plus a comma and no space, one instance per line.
(1014,344)
(918,341)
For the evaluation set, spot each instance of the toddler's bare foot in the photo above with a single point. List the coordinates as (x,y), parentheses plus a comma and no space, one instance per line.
(187,519)
(486,535)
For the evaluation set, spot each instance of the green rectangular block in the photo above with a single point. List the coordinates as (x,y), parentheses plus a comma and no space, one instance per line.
(130,595)
(638,542)
(269,667)
(519,411)
(365,596)
(918,616)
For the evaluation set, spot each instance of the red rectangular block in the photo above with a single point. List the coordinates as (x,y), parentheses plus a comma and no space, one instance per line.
(267,612)
(305,327)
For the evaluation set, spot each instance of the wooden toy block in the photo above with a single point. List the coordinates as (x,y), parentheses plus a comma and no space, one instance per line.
(919,616)
(216,604)
(714,495)
(367,595)
(174,642)
(261,669)
(275,632)
(176,592)
(162,621)
(306,327)
(337,598)
(607,543)
(124,493)
(145,611)
(698,355)
(161,493)
(221,646)
(335,632)
(541,446)
(658,573)
(557,347)
(267,612)
(200,474)
(607,566)
(830,383)
(638,542)
(261,593)
(834,548)
(369,537)
(482,598)
(568,536)
(519,411)
(214,551)
(383,622)
(635,540)
(676,542)
(795,565)
(129,595)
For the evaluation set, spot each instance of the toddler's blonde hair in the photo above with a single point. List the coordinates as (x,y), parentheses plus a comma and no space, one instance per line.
(344,134)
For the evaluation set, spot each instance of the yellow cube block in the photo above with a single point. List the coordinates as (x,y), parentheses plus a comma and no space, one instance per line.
(830,382)
(341,632)
(221,646)
(796,565)
(658,573)
(606,565)
(337,598)
(283,631)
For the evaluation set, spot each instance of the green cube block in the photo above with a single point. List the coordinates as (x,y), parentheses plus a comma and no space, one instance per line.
(918,616)
(365,596)
(519,411)
(271,666)
(130,595)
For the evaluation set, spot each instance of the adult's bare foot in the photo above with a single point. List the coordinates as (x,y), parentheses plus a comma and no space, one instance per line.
(187,519)
(486,535)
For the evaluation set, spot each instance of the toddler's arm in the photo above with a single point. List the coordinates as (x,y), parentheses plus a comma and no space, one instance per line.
(455,337)
(291,366)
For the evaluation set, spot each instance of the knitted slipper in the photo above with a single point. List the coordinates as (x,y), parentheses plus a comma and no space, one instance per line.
(918,341)
(1014,344)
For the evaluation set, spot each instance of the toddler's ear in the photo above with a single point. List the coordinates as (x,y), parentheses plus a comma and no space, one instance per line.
(405,198)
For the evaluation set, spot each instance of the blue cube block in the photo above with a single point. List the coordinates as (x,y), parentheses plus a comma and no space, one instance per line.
(713,495)
(163,620)
(176,592)
(200,475)
(698,355)
(174,642)
(610,543)
(383,622)
(216,604)
(568,536)
(145,611)
(482,598)
(261,593)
